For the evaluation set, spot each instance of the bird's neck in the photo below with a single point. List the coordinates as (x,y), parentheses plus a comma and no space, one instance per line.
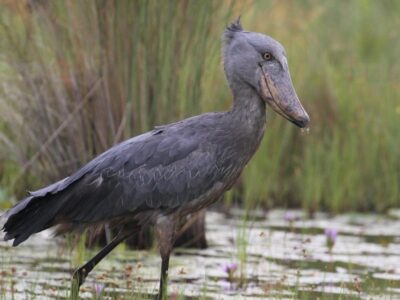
(248,109)
(247,119)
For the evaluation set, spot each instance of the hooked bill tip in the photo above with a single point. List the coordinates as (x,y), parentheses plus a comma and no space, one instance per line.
(303,123)
(303,120)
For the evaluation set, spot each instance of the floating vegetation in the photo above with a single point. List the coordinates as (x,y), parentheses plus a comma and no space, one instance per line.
(300,258)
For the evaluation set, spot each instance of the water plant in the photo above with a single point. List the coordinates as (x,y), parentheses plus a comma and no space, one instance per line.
(230,282)
(331,235)
(98,289)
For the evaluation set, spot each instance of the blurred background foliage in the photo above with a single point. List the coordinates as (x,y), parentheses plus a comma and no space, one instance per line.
(77,77)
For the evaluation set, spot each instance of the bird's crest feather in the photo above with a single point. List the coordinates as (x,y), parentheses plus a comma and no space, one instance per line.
(232,29)
(235,26)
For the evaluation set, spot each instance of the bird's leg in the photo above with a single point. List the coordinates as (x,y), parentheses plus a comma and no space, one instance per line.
(163,291)
(81,273)
(166,230)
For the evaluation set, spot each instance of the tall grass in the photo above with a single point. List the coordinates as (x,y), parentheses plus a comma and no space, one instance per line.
(80,76)
(343,62)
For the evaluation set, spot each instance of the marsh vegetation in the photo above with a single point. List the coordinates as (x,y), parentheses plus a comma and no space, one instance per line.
(280,255)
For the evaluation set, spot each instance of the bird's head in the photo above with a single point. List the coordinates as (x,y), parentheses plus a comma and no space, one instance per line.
(260,62)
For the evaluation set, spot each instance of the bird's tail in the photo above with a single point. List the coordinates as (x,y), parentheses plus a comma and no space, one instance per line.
(31,215)
(35,213)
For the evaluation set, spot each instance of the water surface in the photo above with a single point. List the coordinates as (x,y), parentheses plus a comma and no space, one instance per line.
(275,255)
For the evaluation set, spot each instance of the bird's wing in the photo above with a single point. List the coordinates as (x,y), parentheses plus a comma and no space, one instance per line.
(158,170)
(161,169)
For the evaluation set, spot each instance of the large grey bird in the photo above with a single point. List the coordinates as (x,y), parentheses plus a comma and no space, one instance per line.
(160,176)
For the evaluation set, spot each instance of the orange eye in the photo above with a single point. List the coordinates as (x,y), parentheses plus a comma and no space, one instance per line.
(267,56)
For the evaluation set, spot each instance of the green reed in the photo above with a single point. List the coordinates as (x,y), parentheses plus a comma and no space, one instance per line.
(343,63)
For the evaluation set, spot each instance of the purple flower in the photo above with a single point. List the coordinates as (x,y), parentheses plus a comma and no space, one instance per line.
(229,268)
(98,288)
(289,217)
(228,283)
(331,235)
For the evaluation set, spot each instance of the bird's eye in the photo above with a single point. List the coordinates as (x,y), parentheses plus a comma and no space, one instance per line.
(267,56)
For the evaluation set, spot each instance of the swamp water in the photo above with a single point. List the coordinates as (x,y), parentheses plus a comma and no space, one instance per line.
(278,255)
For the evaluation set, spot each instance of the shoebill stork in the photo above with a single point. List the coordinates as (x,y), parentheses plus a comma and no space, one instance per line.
(160,176)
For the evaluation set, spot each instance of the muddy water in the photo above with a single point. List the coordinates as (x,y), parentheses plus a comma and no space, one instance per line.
(276,255)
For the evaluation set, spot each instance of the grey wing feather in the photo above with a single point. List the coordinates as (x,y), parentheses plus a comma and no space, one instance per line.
(159,171)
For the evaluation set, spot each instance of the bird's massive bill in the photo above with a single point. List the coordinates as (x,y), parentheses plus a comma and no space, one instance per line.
(282,97)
